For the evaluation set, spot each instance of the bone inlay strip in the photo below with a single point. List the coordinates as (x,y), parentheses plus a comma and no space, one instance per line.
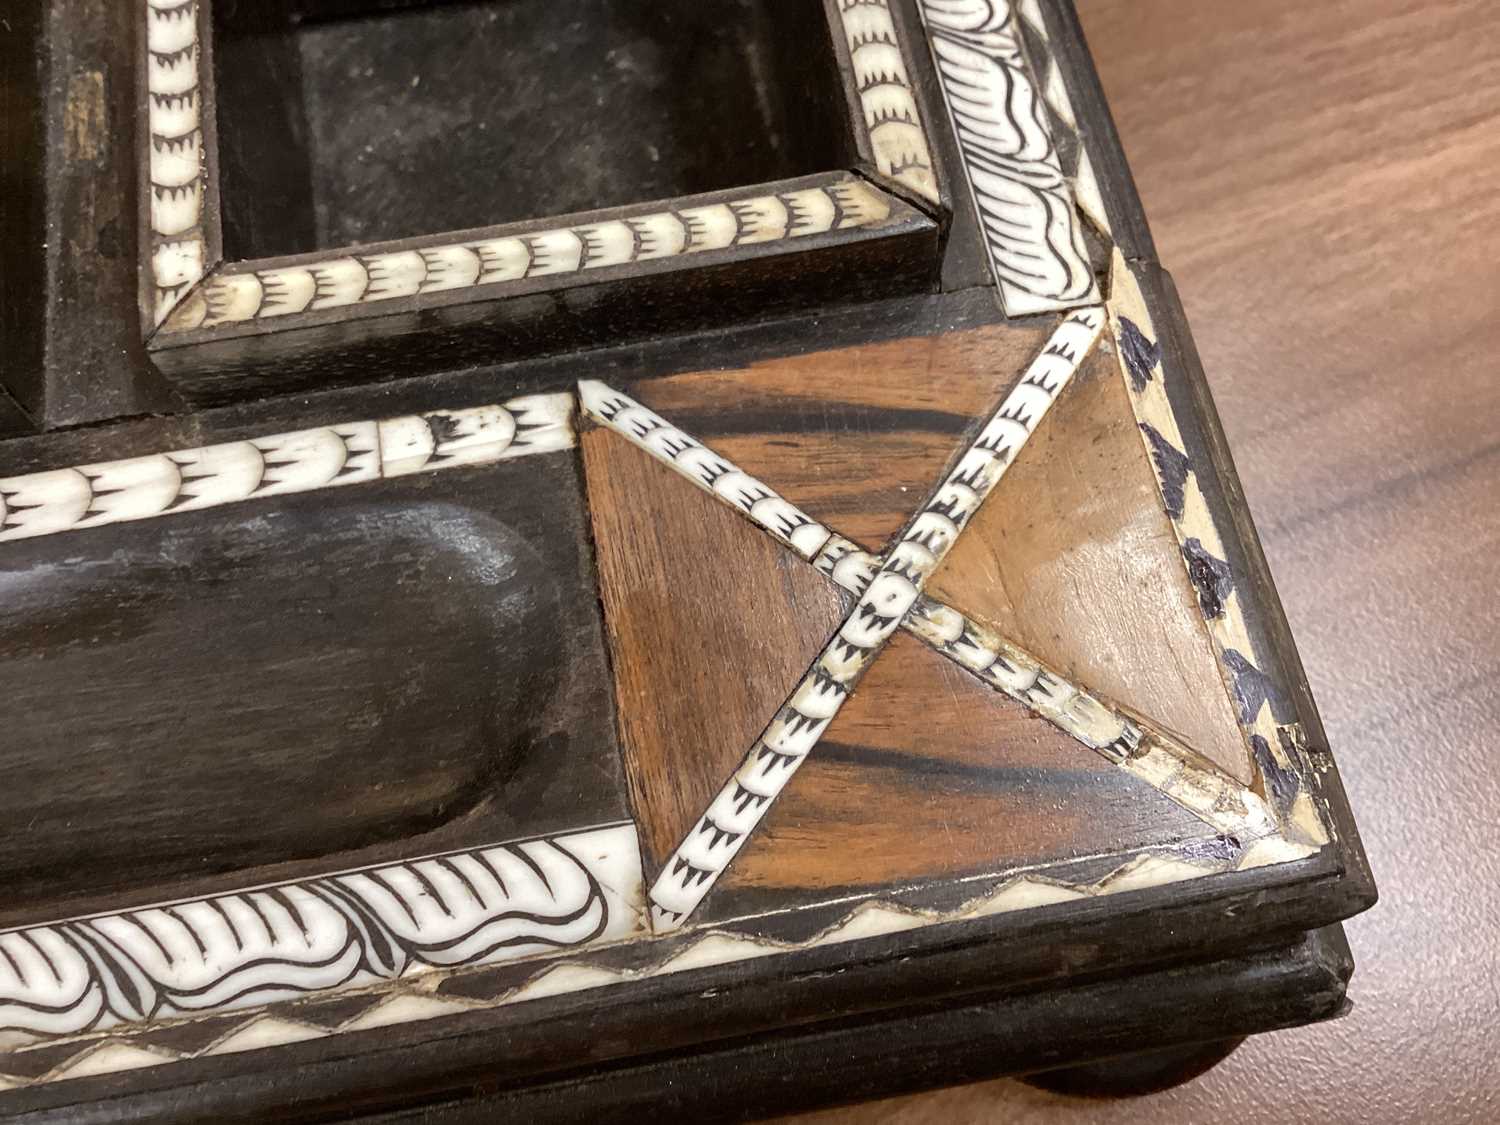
(715,840)
(1023,201)
(347,453)
(891,117)
(705,468)
(175,162)
(231,297)
(340,930)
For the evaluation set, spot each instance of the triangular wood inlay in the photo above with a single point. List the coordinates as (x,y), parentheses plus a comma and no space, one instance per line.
(1073,558)
(710,623)
(929,773)
(855,437)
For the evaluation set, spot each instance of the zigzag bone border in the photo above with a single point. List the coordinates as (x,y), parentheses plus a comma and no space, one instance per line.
(747,796)
(345,453)
(409,999)
(1023,201)
(1199,539)
(1175,771)
(176,167)
(252,947)
(891,121)
(236,295)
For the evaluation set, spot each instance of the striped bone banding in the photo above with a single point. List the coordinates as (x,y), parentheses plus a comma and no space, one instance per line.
(718,835)
(1023,201)
(346,929)
(235,296)
(175,163)
(345,453)
(892,121)
(765,507)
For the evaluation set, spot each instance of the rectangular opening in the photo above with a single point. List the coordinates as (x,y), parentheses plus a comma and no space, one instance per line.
(342,677)
(341,122)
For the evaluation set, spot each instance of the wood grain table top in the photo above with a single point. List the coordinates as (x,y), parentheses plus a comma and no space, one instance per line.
(1320,180)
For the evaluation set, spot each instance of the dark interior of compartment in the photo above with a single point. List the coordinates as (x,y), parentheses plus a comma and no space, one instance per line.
(342,677)
(343,122)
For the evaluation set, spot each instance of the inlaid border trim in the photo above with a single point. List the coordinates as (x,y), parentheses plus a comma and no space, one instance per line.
(496,262)
(1085,181)
(185,480)
(252,947)
(1027,214)
(1272,742)
(193,296)
(1177,772)
(889,121)
(409,999)
(176,157)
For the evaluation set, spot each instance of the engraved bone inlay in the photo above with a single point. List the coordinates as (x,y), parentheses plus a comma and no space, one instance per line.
(1024,203)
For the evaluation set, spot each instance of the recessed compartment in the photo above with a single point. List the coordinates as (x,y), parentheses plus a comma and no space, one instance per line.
(298,685)
(343,123)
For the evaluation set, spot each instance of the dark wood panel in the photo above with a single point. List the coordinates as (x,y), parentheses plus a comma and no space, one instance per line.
(299,685)
(1074,559)
(927,773)
(70,325)
(856,436)
(711,623)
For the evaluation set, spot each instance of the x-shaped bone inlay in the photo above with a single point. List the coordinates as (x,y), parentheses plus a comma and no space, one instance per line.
(889,597)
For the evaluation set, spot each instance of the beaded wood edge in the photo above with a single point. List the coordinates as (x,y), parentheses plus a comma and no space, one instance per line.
(176,164)
(488,264)
(1024,202)
(890,122)
(251,947)
(86,496)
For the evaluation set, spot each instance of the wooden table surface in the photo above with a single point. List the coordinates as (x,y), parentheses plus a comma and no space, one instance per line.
(1323,179)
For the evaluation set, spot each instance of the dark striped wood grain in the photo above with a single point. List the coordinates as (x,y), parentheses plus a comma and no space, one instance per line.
(710,624)
(856,437)
(1320,181)
(928,773)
